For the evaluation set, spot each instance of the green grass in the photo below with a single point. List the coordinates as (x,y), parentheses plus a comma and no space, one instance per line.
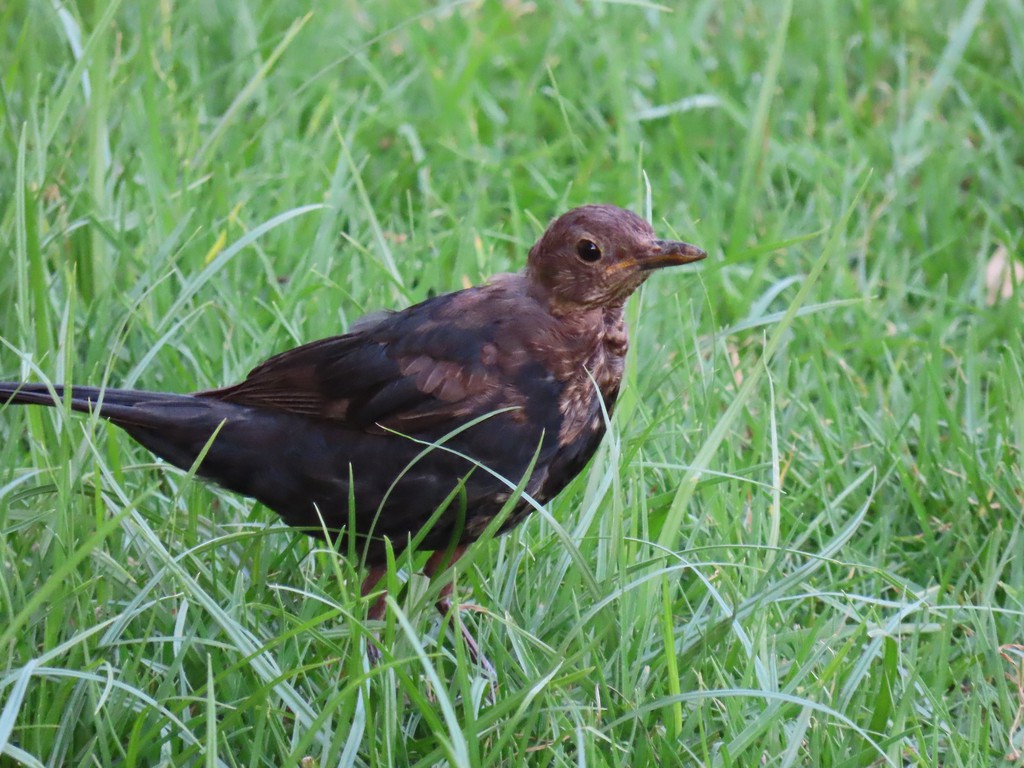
(801,543)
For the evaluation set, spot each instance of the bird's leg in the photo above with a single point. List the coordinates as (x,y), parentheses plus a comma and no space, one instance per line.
(438,562)
(375,574)
(377,610)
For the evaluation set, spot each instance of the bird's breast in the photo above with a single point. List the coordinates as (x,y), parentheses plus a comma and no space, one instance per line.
(592,384)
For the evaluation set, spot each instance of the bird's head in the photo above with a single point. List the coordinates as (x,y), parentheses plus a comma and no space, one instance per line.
(597,255)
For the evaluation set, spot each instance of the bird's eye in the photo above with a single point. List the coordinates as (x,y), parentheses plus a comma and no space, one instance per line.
(588,251)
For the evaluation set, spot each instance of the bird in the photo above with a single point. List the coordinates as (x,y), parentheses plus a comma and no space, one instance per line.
(440,410)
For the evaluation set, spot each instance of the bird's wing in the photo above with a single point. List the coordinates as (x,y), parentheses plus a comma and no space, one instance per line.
(440,362)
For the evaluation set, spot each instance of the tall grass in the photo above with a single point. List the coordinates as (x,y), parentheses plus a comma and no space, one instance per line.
(799,544)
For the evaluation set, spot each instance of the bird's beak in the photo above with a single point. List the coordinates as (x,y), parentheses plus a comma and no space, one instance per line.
(668,253)
(660,253)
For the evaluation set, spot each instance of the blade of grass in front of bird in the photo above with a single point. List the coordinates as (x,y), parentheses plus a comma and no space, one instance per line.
(455,741)
(211,716)
(245,643)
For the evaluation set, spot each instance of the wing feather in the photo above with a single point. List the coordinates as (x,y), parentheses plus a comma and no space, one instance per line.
(435,364)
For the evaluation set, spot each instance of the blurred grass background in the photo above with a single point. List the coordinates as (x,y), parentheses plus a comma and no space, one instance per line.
(800,543)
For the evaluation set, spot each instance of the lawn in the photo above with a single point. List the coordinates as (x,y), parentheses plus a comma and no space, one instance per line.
(801,543)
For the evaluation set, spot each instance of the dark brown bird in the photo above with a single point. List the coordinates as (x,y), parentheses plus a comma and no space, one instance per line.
(500,375)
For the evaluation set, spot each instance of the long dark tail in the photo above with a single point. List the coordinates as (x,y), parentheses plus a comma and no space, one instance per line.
(174,427)
(272,456)
(121,406)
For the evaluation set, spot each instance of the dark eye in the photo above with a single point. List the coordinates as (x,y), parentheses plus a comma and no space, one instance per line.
(588,251)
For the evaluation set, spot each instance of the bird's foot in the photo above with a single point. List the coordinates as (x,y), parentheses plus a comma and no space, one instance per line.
(373,651)
(375,613)
(445,607)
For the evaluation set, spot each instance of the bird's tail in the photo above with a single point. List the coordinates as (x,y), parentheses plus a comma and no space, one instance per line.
(173,426)
(122,406)
(244,449)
